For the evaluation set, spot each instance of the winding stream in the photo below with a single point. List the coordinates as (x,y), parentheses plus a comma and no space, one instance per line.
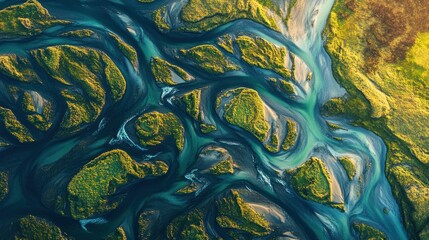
(365,197)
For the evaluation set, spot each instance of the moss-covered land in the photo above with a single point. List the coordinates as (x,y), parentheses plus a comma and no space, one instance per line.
(210,59)
(80,33)
(191,188)
(246,110)
(101,177)
(311,181)
(226,43)
(145,222)
(200,15)
(31,227)
(367,232)
(188,226)
(349,166)
(42,120)
(380,55)
(153,128)
(4,185)
(128,51)
(118,234)
(259,52)
(26,19)
(225,166)
(239,218)
(14,126)
(159,19)
(192,101)
(18,68)
(163,72)
(87,69)
(207,128)
(291,135)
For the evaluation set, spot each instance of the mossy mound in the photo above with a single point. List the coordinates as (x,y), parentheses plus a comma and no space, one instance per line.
(188,226)
(101,177)
(192,102)
(311,181)
(87,69)
(366,232)
(188,189)
(18,68)
(153,128)
(225,166)
(226,43)
(164,72)
(209,58)
(26,19)
(291,135)
(31,227)
(80,33)
(200,15)
(261,53)
(246,110)
(14,126)
(129,52)
(349,166)
(118,234)
(239,218)
(4,185)
(159,19)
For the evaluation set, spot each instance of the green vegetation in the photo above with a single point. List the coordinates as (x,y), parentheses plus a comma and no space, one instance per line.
(27,103)
(291,136)
(192,101)
(129,52)
(225,166)
(83,68)
(26,19)
(261,53)
(153,128)
(31,227)
(188,226)
(18,68)
(80,33)
(210,59)
(163,71)
(4,185)
(207,128)
(191,188)
(290,6)
(246,110)
(200,15)
(367,232)
(145,222)
(334,126)
(158,18)
(226,43)
(286,87)
(380,55)
(273,144)
(14,127)
(349,166)
(89,188)
(311,181)
(234,214)
(118,234)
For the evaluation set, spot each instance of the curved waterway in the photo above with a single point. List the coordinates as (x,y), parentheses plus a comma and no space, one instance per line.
(367,198)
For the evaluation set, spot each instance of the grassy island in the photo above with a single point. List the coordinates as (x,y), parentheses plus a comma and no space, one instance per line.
(84,68)
(367,232)
(14,126)
(210,59)
(153,128)
(225,166)
(226,43)
(118,234)
(349,166)
(31,227)
(163,72)
(4,185)
(261,53)
(18,68)
(90,187)
(159,19)
(191,188)
(80,33)
(207,128)
(246,110)
(200,15)
(239,218)
(192,101)
(311,181)
(26,19)
(128,51)
(380,55)
(188,226)
(291,135)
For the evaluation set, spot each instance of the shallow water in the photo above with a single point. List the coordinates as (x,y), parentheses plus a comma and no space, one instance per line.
(258,168)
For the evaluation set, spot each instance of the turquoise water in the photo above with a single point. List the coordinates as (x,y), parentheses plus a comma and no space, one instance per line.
(49,164)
